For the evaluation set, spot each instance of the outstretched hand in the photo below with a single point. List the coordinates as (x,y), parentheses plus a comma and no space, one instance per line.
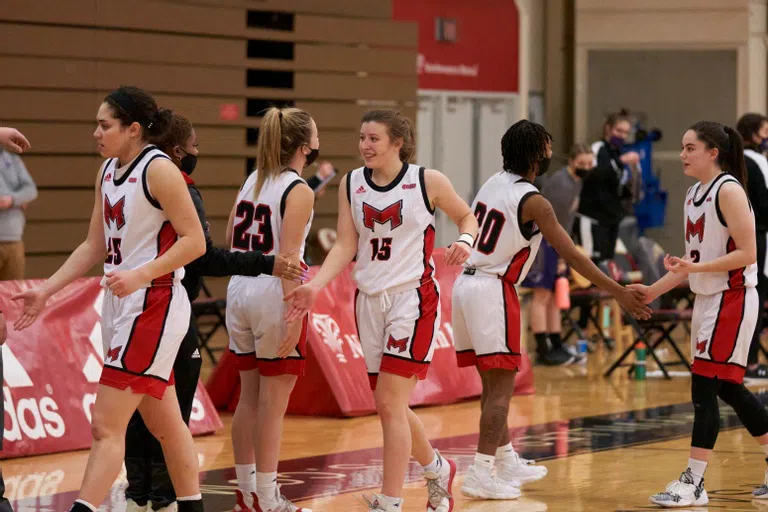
(633,301)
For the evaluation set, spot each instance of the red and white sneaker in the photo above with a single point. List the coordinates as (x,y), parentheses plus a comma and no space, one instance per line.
(439,487)
(246,501)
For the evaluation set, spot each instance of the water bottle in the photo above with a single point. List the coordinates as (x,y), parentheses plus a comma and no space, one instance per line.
(640,353)
(582,348)
(562,294)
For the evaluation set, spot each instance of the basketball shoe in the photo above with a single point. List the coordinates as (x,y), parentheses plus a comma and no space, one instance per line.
(682,493)
(247,501)
(761,493)
(515,469)
(480,483)
(439,486)
(278,503)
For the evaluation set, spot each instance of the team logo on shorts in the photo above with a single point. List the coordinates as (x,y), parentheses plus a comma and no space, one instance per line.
(701,346)
(392,214)
(400,345)
(113,354)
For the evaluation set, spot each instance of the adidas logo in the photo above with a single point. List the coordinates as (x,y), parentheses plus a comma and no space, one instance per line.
(196,354)
(361,190)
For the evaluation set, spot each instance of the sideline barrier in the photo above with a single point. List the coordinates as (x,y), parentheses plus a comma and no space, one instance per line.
(52,370)
(336,380)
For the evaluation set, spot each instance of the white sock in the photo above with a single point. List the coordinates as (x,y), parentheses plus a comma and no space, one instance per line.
(83,502)
(698,467)
(266,485)
(484,462)
(765,449)
(436,465)
(505,453)
(246,477)
(196,497)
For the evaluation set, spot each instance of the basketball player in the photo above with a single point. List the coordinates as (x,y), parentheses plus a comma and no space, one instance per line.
(273,213)
(145,224)
(149,484)
(513,216)
(12,139)
(720,265)
(386,219)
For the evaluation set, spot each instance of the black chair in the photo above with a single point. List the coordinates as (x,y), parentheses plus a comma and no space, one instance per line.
(210,314)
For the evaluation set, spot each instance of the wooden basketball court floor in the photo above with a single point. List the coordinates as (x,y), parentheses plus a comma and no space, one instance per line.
(608,444)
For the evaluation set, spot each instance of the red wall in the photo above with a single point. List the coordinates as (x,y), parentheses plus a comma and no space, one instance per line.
(485,54)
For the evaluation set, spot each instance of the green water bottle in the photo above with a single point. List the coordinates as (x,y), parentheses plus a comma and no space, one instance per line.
(640,353)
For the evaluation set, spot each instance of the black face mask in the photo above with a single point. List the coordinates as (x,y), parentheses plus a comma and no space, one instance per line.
(188,163)
(581,173)
(312,156)
(543,166)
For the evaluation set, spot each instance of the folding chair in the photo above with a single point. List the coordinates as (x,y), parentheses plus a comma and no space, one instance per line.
(663,322)
(210,315)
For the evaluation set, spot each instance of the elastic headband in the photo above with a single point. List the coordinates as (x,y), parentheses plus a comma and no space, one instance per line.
(126,103)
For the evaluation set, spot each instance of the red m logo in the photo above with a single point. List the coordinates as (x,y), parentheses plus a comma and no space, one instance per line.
(114,213)
(694,229)
(113,354)
(701,346)
(400,345)
(392,213)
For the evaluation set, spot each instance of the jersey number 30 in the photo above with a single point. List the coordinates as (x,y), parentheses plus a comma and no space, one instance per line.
(262,240)
(490,222)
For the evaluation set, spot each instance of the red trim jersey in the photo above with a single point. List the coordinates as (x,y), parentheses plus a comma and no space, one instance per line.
(707,238)
(505,246)
(136,229)
(396,229)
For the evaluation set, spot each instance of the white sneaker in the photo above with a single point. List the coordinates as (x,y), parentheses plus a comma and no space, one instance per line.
(132,506)
(246,501)
(519,470)
(278,504)
(479,483)
(380,503)
(682,493)
(761,493)
(439,487)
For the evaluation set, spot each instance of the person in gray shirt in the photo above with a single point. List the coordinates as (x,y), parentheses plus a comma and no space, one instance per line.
(17,189)
(563,189)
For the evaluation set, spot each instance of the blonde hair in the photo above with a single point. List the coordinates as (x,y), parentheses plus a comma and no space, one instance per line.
(282,133)
(579,149)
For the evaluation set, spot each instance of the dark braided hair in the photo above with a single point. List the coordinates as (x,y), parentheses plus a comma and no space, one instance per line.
(524,145)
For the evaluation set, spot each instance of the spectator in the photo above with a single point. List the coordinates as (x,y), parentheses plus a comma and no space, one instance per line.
(12,139)
(16,191)
(325,172)
(562,189)
(753,128)
(601,207)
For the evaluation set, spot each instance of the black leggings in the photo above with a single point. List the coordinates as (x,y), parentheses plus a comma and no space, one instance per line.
(148,478)
(762,296)
(706,423)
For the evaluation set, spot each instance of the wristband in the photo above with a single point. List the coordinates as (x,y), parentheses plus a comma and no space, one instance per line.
(467,239)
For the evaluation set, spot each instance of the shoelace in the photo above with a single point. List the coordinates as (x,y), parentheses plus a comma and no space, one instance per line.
(436,491)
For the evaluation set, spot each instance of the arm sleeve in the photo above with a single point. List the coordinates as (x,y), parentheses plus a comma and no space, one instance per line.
(217,262)
(27,190)
(757,190)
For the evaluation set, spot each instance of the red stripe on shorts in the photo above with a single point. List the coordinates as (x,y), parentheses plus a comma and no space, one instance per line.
(424,330)
(511,318)
(147,330)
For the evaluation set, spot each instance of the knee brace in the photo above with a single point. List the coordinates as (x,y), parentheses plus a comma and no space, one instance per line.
(706,422)
(748,408)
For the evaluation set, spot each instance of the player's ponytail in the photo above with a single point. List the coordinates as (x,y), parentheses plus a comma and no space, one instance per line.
(735,158)
(398,127)
(729,145)
(282,133)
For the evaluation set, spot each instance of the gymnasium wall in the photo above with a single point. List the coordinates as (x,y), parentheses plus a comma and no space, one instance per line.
(219,62)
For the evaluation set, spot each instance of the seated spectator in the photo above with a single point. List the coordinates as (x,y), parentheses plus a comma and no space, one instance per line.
(17,189)
(562,189)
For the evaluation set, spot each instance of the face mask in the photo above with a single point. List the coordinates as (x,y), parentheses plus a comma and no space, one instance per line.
(543,166)
(581,173)
(616,142)
(312,156)
(188,162)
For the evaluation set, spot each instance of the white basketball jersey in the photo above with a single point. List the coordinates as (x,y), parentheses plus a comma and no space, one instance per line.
(707,238)
(258,221)
(396,229)
(136,229)
(504,245)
